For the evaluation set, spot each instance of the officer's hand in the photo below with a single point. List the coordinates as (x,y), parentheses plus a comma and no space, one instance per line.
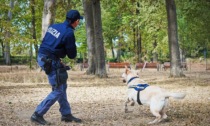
(67,67)
(64,65)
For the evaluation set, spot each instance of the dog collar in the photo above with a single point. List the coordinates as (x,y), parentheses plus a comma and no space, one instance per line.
(132,79)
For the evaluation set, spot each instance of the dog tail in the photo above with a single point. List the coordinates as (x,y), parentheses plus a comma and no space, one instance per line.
(176,95)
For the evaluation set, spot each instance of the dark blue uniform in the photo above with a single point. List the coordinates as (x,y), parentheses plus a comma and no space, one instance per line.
(58,42)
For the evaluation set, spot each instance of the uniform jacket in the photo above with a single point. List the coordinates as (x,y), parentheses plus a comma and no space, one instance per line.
(59,41)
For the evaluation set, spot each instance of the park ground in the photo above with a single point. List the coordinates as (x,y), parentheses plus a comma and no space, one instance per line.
(100,102)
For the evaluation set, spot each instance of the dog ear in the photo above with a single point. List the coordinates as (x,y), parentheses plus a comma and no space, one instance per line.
(127,71)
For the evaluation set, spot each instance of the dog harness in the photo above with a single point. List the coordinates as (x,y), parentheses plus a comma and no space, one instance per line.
(138,88)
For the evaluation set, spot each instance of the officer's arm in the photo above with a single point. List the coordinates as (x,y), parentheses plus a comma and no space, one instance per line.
(70,46)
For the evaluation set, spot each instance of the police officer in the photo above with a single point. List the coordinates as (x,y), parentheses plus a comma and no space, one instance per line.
(58,42)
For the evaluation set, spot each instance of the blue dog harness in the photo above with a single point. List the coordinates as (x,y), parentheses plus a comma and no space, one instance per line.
(138,88)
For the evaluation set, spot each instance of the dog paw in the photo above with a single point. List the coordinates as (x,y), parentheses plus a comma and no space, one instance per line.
(133,103)
(154,122)
(165,116)
(150,123)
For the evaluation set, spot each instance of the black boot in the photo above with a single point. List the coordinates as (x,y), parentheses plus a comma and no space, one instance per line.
(70,118)
(38,119)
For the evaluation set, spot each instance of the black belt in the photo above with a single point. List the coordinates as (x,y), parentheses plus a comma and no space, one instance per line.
(51,56)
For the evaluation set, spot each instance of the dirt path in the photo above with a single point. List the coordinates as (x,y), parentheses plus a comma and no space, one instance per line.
(100,101)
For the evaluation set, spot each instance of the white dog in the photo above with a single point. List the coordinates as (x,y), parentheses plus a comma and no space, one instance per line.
(155,97)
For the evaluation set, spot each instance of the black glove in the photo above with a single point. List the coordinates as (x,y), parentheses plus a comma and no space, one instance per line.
(67,67)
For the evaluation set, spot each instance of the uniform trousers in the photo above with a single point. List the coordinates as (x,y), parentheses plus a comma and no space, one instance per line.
(57,94)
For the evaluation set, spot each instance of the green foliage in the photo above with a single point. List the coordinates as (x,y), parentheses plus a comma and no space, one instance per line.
(19,60)
(194,28)
(111,60)
(70,62)
(80,35)
(119,19)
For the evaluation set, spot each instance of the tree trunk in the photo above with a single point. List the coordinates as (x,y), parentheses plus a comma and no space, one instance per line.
(119,49)
(48,15)
(34,27)
(138,44)
(32,4)
(154,53)
(96,56)
(2,47)
(134,40)
(112,49)
(138,36)
(7,37)
(88,11)
(68,4)
(175,70)
(99,44)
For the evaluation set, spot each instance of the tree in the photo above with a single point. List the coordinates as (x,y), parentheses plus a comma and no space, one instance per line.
(88,10)
(175,70)
(193,18)
(120,22)
(111,25)
(7,46)
(48,15)
(99,44)
(95,39)
(138,36)
(33,21)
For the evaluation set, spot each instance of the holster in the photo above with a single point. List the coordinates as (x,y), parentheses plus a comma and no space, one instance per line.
(47,64)
(61,76)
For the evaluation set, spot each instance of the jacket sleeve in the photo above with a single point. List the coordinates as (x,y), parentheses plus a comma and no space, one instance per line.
(70,45)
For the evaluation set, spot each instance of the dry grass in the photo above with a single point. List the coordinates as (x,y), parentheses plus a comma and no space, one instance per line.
(100,101)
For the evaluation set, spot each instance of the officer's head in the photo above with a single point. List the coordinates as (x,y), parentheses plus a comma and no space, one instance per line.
(73,16)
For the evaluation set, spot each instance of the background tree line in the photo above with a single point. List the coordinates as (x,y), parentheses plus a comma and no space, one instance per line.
(131,30)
